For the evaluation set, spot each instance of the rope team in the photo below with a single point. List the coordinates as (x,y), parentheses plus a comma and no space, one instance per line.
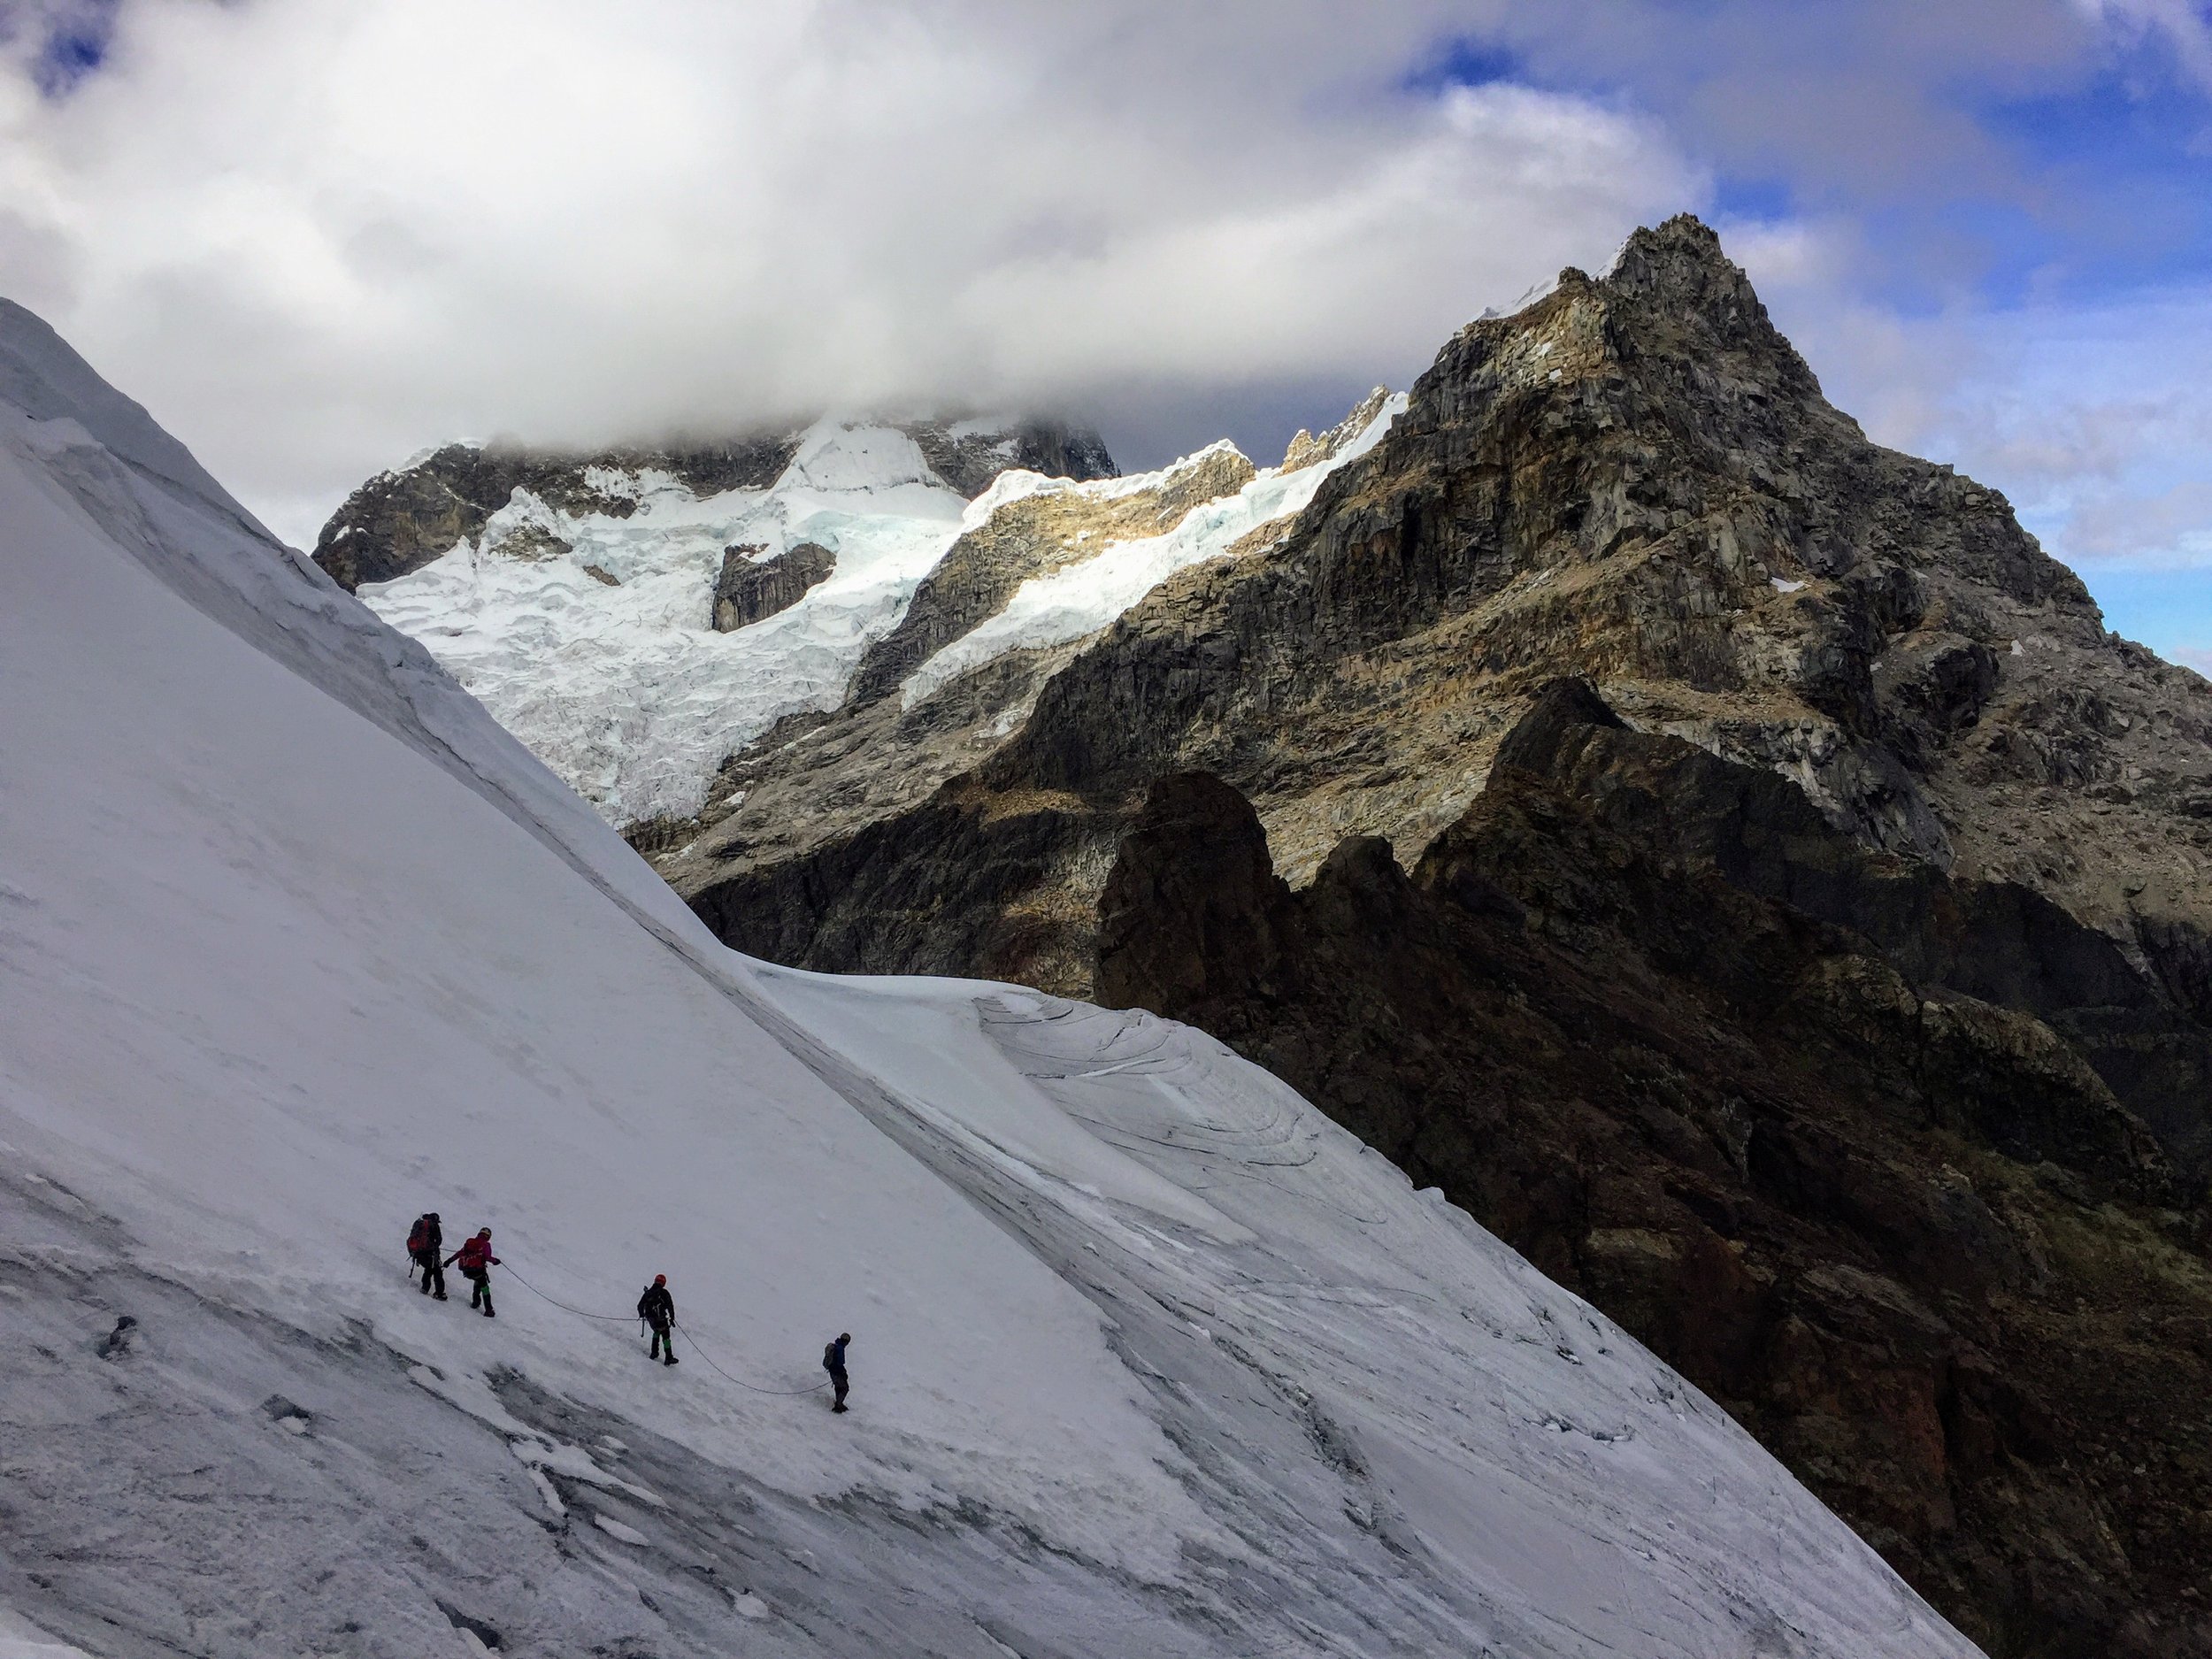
(656,1309)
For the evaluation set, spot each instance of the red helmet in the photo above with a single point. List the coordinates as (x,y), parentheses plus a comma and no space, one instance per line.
(660,1279)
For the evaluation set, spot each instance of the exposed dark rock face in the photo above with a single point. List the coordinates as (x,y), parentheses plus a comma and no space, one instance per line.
(747,590)
(1651,1017)
(399,521)
(971,460)
(1635,480)
(967,877)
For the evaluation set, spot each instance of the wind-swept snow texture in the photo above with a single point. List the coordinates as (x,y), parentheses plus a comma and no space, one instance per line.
(1149,1358)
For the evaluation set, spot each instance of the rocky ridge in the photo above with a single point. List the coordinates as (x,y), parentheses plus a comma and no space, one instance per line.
(402,520)
(1920,915)
(1774,1100)
(752,587)
(1636,478)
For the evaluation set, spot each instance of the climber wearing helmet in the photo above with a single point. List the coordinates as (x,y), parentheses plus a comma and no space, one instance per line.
(658,1309)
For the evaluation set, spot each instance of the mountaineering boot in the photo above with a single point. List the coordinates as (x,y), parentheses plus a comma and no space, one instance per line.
(671,1360)
(840,1406)
(437,1296)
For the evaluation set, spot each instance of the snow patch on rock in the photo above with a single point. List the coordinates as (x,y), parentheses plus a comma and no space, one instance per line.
(1084,597)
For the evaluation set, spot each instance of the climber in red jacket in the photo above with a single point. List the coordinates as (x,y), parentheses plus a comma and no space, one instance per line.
(477,1262)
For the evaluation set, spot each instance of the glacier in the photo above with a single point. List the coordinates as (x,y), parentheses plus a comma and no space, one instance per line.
(590,636)
(603,658)
(1149,1358)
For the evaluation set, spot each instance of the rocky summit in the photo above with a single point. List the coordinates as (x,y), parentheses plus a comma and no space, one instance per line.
(1766,894)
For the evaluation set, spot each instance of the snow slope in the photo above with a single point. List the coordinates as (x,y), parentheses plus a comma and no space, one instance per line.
(627,689)
(1084,597)
(1149,1358)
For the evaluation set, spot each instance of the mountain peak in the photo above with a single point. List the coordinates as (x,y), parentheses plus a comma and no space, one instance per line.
(1677,273)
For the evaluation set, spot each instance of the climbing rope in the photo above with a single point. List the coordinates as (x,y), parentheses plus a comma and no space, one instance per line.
(741,1382)
(619,1318)
(604,1318)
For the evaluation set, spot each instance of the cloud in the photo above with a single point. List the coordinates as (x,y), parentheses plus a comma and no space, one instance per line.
(2172,525)
(2181,25)
(2094,419)
(314,236)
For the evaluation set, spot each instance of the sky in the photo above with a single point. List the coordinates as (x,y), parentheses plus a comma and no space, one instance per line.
(316,237)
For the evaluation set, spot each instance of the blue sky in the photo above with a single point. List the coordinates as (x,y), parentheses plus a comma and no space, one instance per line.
(315,237)
(2046,256)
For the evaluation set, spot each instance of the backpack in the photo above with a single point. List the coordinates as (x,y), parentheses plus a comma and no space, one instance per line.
(418,1240)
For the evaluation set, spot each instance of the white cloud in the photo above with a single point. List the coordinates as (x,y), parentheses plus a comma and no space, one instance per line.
(2095,419)
(2181,25)
(314,235)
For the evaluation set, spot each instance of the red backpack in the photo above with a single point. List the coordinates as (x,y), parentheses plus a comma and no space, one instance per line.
(418,1240)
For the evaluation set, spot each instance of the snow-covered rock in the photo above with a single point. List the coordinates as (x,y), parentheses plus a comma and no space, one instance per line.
(1080,597)
(584,599)
(1149,1358)
(595,610)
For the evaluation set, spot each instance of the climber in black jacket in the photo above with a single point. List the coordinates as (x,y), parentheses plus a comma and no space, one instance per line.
(658,1309)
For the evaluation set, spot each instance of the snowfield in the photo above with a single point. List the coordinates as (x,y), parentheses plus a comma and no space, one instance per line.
(627,689)
(1149,1358)
(620,683)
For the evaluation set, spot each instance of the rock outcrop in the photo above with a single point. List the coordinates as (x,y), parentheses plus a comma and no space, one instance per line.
(968,454)
(1651,1017)
(1637,480)
(400,520)
(750,588)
